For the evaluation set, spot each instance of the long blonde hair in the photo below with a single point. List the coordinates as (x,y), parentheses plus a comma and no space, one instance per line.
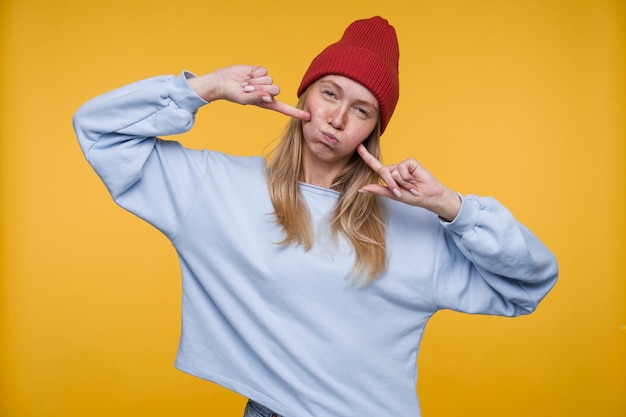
(359,217)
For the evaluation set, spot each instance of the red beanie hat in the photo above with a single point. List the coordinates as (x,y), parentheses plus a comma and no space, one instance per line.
(368,53)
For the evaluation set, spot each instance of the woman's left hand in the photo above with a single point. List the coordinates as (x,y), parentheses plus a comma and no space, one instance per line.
(412,184)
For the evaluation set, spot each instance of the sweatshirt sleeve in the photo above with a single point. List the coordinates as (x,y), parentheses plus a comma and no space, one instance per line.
(118,133)
(489,263)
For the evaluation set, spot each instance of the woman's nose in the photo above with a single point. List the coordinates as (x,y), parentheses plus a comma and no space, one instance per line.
(337,118)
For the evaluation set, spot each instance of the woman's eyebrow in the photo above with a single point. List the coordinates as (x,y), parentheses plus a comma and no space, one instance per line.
(334,84)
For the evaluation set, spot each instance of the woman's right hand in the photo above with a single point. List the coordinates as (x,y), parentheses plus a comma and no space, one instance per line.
(244,84)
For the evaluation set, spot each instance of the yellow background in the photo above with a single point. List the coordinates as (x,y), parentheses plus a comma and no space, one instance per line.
(523,100)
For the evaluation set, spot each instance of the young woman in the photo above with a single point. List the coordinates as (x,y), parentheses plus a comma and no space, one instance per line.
(308,281)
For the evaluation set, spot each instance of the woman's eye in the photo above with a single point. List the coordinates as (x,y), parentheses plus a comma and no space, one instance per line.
(362,112)
(329,93)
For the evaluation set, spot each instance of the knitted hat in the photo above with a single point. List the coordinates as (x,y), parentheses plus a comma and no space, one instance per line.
(368,53)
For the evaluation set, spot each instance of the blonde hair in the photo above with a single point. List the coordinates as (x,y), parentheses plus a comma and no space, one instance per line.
(359,217)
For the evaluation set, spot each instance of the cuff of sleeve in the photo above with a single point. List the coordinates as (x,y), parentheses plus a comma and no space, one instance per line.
(182,94)
(467,219)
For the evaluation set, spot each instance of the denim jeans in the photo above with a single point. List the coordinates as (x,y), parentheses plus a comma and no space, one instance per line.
(257,410)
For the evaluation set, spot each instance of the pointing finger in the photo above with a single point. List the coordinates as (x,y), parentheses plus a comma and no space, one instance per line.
(285,109)
(369,159)
(384,172)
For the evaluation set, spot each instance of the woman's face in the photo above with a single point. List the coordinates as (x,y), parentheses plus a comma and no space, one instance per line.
(343,114)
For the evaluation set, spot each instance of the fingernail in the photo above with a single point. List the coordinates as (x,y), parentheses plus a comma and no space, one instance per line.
(415,192)
(397,192)
(266,99)
(248,88)
(364,191)
(245,83)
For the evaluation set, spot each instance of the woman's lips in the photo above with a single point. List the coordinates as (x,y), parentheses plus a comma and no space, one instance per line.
(330,138)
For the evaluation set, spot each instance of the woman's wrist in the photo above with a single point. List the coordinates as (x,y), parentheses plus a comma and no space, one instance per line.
(449,205)
(206,87)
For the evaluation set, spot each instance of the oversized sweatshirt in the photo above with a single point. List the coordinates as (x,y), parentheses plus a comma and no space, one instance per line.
(281,325)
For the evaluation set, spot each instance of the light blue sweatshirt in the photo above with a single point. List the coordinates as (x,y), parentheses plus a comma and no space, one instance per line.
(280,325)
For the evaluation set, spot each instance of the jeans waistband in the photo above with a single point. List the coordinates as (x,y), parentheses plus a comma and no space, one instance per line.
(254,409)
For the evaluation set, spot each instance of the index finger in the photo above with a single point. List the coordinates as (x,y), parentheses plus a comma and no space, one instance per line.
(287,110)
(379,168)
(369,159)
